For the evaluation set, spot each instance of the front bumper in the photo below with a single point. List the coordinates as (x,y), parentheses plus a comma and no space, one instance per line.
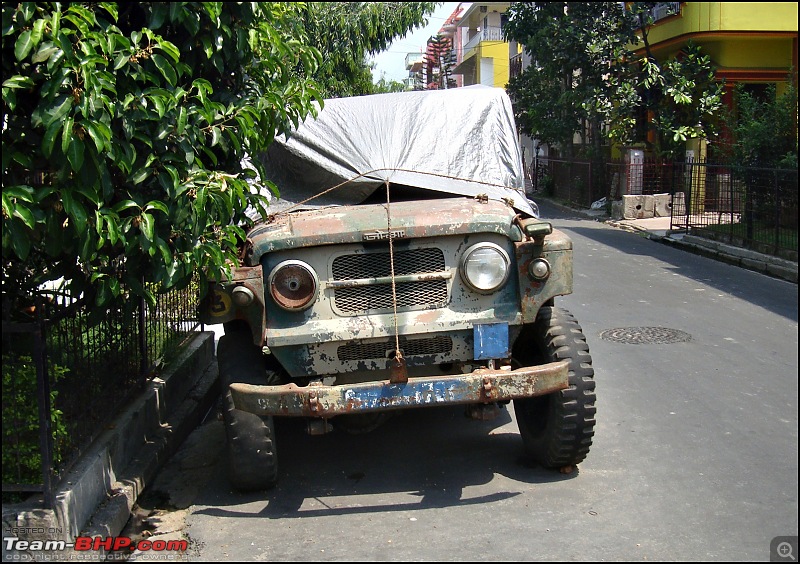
(480,386)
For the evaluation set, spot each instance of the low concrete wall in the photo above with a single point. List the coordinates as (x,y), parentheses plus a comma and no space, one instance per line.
(97,495)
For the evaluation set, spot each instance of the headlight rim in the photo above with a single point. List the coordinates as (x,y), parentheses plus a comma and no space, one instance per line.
(487,245)
(312,296)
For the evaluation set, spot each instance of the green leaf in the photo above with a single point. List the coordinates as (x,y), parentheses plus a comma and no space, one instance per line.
(37,31)
(121,60)
(159,13)
(75,154)
(25,215)
(23,45)
(44,53)
(140,175)
(113,229)
(8,205)
(124,205)
(156,205)
(147,226)
(57,110)
(89,193)
(20,239)
(111,8)
(25,193)
(166,254)
(166,69)
(182,117)
(18,81)
(95,134)
(158,102)
(66,135)
(75,210)
(170,50)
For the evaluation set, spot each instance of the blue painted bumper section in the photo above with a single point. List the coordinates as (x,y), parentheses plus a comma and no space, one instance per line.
(481,386)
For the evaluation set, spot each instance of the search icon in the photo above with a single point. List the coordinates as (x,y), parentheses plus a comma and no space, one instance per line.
(783,549)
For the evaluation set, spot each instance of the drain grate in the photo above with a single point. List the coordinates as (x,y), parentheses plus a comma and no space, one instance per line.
(645,336)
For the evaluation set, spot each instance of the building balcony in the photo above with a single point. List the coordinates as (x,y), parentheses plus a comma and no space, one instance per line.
(488,34)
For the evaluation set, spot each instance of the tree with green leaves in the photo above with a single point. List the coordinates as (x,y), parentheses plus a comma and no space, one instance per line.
(765,127)
(384,86)
(125,126)
(585,79)
(573,83)
(346,33)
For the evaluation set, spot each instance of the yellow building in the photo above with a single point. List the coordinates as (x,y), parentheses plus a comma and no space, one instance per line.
(749,43)
(481,51)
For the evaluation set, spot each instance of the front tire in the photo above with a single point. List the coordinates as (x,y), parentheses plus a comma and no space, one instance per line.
(557,428)
(252,455)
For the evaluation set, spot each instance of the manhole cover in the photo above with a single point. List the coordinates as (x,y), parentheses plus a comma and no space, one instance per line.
(645,336)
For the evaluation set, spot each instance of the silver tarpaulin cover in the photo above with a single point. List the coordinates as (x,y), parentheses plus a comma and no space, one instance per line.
(458,141)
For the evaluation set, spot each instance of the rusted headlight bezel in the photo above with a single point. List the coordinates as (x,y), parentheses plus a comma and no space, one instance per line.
(293,285)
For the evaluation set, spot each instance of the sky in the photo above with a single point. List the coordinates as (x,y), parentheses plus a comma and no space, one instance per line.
(392,62)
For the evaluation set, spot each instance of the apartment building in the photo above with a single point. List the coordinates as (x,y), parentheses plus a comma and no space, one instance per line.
(750,43)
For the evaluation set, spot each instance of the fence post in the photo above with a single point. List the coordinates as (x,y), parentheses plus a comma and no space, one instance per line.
(777,210)
(143,360)
(749,208)
(43,393)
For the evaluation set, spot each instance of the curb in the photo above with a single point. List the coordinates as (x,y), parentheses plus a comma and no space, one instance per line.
(96,497)
(736,256)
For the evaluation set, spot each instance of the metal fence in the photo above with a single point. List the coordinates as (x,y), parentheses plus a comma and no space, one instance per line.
(65,378)
(755,208)
(748,207)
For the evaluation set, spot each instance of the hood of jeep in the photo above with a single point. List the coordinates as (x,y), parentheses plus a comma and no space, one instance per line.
(362,223)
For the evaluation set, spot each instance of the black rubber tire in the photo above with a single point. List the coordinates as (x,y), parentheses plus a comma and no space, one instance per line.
(557,429)
(252,454)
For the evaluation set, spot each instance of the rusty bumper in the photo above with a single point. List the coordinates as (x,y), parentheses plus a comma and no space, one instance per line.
(480,386)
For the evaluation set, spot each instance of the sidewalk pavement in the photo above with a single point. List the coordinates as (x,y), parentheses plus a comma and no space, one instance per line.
(658,229)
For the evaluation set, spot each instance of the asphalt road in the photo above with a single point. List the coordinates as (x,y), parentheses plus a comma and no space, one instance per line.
(695,454)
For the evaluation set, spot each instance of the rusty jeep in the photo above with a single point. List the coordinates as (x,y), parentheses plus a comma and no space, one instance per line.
(402,266)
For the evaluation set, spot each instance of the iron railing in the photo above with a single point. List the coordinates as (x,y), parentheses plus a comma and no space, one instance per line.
(755,208)
(83,373)
(749,207)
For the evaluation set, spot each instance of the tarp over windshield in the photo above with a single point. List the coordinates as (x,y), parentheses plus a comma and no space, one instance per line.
(457,141)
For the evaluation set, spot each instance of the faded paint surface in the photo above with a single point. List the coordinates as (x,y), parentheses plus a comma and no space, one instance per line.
(418,219)
(219,307)
(481,386)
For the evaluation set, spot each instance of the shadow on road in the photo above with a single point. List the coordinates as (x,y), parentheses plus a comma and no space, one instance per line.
(419,459)
(774,295)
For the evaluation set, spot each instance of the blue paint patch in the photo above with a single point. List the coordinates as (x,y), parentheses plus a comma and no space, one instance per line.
(410,394)
(491,341)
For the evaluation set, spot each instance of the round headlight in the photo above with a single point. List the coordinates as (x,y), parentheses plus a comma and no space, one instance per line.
(293,285)
(484,267)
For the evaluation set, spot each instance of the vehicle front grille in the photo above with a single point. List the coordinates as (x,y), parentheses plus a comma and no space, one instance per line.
(378,296)
(415,347)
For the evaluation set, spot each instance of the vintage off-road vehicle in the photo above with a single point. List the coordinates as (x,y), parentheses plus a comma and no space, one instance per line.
(403,267)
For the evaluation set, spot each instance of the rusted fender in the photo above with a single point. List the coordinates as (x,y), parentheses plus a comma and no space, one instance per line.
(480,386)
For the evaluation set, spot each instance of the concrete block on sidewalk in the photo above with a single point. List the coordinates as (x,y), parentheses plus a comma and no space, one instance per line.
(662,206)
(638,206)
